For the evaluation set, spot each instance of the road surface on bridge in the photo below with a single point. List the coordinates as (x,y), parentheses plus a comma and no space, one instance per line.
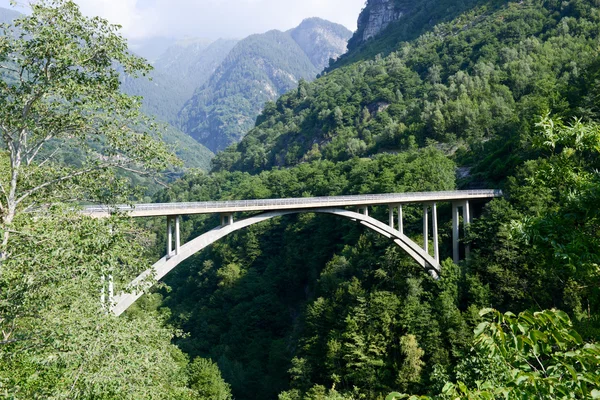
(209,207)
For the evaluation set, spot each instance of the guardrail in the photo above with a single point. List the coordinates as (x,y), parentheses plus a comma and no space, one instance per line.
(245,205)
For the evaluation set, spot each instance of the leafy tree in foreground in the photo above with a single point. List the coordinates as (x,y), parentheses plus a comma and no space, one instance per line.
(59,94)
(59,97)
(206,380)
(532,355)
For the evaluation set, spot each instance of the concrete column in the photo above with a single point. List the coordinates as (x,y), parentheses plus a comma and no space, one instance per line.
(111,290)
(391,217)
(436,246)
(103,292)
(426,228)
(455,232)
(366,211)
(467,222)
(177,235)
(400,220)
(169,237)
(230,219)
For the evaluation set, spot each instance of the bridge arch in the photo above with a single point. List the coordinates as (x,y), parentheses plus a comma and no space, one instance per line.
(146,279)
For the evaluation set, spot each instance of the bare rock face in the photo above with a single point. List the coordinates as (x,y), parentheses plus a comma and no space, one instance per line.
(321,40)
(377,15)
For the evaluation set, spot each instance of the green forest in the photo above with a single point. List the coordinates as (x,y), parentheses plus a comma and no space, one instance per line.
(477,94)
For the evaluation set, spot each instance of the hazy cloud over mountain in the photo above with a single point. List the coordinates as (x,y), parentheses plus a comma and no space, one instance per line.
(215,18)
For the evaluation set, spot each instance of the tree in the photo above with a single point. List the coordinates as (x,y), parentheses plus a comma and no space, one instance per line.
(206,380)
(532,355)
(60,95)
(59,98)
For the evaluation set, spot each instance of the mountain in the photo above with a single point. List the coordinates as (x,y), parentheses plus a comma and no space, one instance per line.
(192,153)
(321,40)
(191,62)
(479,80)
(385,24)
(449,94)
(259,69)
(178,71)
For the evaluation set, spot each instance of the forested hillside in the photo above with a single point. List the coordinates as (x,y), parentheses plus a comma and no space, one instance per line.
(493,91)
(476,93)
(182,68)
(259,68)
(480,80)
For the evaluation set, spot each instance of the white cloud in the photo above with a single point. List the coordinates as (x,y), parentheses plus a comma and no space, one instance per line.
(216,18)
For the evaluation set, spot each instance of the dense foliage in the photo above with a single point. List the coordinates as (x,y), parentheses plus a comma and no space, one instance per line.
(177,73)
(260,68)
(308,306)
(60,93)
(262,279)
(343,310)
(476,84)
(369,321)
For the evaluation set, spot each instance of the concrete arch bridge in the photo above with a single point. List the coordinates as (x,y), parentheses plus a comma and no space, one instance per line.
(355,208)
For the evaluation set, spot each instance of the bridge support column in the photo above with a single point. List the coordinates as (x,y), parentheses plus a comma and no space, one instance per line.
(426,228)
(400,220)
(436,246)
(177,235)
(455,233)
(434,223)
(363,210)
(169,237)
(467,222)
(391,217)
(173,224)
(456,228)
(226,219)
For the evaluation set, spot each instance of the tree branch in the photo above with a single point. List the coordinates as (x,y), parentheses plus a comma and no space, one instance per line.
(29,156)
(57,180)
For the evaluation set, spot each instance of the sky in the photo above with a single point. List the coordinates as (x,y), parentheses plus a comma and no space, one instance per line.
(212,19)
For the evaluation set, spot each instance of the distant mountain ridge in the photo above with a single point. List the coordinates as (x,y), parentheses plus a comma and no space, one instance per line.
(321,40)
(178,71)
(259,69)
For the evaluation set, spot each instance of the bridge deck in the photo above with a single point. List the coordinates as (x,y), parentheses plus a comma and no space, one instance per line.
(209,207)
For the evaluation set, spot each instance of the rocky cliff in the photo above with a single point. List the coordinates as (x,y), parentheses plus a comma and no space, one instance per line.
(377,15)
(321,40)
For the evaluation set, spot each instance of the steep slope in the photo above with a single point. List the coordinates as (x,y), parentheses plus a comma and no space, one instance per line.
(182,68)
(321,40)
(192,62)
(340,308)
(384,24)
(192,153)
(259,69)
(481,80)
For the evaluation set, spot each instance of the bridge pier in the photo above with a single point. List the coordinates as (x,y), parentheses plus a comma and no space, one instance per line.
(436,245)
(173,224)
(466,210)
(400,219)
(363,210)
(434,223)
(226,219)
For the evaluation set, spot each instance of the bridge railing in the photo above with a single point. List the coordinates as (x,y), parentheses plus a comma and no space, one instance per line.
(303,201)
